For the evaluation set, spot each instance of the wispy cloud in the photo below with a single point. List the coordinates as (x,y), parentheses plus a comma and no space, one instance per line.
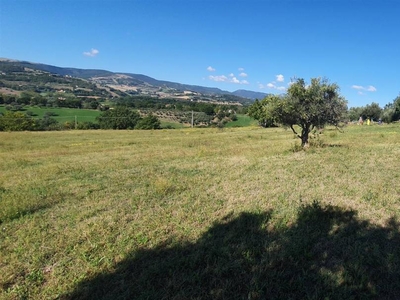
(360,88)
(220,78)
(211,69)
(280,78)
(271,86)
(92,53)
(230,79)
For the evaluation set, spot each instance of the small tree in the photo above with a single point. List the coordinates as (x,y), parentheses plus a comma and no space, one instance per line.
(307,106)
(264,110)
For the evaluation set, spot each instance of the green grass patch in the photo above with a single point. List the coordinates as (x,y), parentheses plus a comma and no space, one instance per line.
(63,115)
(202,213)
(168,124)
(242,121)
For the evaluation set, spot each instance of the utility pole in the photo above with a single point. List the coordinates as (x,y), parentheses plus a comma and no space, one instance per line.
(76,123)
(192,118)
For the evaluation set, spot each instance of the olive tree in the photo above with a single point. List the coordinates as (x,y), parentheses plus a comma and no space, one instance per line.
(307,106)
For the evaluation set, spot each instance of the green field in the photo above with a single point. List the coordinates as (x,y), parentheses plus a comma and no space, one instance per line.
(235,213)
(242,121)
(63,115)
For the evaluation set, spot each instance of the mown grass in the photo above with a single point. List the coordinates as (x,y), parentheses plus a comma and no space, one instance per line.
(232,213)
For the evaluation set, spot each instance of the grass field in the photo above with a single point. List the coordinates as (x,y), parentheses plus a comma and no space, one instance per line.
(242,121)
(63,115)
(200,214)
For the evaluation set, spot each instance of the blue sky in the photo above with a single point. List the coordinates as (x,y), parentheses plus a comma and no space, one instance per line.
(230,44)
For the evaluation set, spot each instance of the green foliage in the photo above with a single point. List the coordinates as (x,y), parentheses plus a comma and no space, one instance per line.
(47,123)
(372,111)
(306,106)
(118,118)
(354,113)
(148,122)
(242,121)
(264,111)
(87,125)
(391,111)
(16,121)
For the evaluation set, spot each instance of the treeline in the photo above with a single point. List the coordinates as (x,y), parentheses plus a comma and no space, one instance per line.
(65,99)
(119,118)
(389,113)
(69,100)
(19,121)
(147,102)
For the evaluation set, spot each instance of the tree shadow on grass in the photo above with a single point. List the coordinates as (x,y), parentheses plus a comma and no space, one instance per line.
(327,254)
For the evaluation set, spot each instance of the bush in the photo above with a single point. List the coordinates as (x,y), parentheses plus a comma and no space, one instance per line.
(88,125)
(148,122)
(118,118)
(47,124)
(16,121)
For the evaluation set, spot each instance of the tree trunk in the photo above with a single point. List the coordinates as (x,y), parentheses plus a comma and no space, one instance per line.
(304,136)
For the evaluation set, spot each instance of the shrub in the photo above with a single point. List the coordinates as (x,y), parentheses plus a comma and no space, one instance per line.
(148,122)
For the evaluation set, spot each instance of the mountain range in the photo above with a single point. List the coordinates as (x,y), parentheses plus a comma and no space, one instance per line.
(131,79)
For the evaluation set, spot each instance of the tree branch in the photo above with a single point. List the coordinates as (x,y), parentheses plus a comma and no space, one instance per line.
(294,131)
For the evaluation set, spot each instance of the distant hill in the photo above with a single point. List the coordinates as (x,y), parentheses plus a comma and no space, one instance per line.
(132,79)
(250,94)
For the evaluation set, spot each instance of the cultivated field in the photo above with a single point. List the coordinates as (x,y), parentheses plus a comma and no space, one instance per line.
(231,213)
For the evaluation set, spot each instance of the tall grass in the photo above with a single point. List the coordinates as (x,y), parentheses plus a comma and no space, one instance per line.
(199,213)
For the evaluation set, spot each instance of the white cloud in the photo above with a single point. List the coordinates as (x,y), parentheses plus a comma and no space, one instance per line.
(280,78)
(235,80)
(241,69)
(92,53)
(220,78)
(243,74)
(369,88)
(211,69)
(271,85)
(231,79)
